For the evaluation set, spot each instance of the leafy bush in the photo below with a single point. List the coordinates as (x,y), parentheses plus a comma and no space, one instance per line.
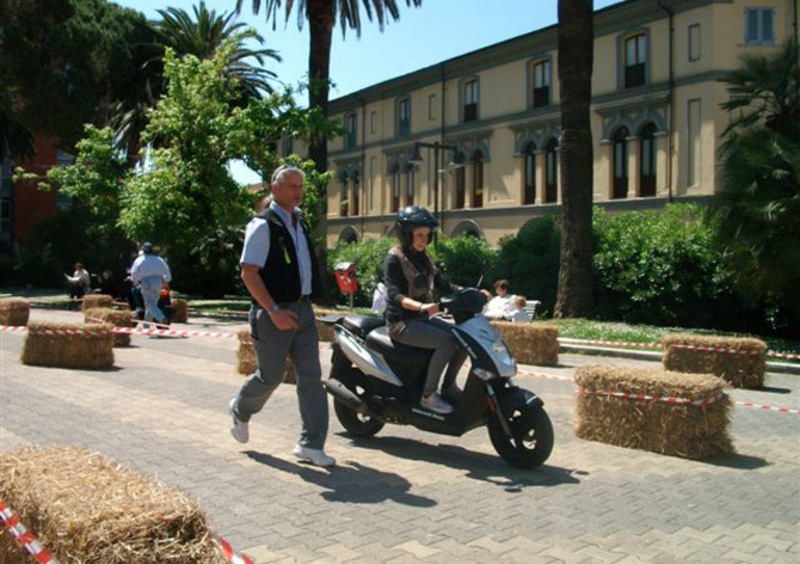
(464,260)
(661,267)
(530,260)
(368,256)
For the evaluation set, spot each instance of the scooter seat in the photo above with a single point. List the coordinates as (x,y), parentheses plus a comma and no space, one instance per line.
(361,325)
(380,342)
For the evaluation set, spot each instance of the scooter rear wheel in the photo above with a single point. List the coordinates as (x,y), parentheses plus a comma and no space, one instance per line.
(355,423)
(533,437)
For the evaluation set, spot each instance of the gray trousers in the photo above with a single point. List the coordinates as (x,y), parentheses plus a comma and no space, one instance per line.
(272,348)
(434,334)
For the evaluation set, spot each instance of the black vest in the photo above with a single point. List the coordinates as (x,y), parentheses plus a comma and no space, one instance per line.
(281,272)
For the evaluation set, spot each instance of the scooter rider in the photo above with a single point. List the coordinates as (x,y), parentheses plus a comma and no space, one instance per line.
(410,278)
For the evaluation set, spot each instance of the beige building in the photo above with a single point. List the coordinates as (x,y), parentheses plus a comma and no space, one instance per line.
(655,115)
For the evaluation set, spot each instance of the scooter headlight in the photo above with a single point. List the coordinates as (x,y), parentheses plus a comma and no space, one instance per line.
(484,374)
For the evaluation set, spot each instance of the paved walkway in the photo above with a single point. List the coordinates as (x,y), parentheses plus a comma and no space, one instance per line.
(406,495)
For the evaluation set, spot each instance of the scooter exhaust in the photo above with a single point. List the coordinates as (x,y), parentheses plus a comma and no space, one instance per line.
(338,390)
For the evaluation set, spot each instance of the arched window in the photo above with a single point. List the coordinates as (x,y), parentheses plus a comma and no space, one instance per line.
(395,188)
(529,174)
(477,180)
(410,185)
(647,162)
(461,183)
(356,195)
(620,151)
(345,198)
(551,172)
(636,60)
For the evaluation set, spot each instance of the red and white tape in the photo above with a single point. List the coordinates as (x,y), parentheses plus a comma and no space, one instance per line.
(25,537)
(129,330)
(231,555)
(768,407)
(783,355)
(13,328)
(725,350)
(612,343)
(652,399)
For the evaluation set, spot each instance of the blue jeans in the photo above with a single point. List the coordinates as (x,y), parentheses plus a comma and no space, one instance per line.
(151,290)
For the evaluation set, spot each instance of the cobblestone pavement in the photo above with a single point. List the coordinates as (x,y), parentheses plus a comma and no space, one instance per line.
(406,495)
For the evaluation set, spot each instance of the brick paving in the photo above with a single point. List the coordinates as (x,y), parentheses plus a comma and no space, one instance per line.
(407,495)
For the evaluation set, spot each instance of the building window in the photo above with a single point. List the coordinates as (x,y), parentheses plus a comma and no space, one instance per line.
(288,146)
(635,60)
(410,185)
(356,195)
(477,180)
(352,135)
(461,185)
(432,107)
(541,84)
(373,166)
(694,42)
(529,159)
(759,26)
(396,189)
(471,100)
(345,205)
(693,152)
(620,150)
(551,172)
(404,117)
(647,162)
(373,122)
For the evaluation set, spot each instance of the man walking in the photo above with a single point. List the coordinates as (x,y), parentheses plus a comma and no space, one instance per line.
(279,271)
(150,272)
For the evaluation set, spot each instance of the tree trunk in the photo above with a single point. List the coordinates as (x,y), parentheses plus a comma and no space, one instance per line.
(320,17)
(575,57)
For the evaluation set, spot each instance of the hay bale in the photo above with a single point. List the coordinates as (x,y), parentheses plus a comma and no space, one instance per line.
(246,358)
(744,366)
(115,318)
(69,345)
(84,507)
(91,301)
(180,311)
(687,430)
(14,311)
(531,343)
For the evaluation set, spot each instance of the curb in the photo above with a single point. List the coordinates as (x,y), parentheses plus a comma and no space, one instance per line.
(772,367)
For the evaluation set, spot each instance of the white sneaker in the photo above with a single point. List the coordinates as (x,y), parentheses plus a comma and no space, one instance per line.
(435,403)
(314,456)
(239,430)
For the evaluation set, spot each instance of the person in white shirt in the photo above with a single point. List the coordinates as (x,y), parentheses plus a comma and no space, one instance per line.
(500,306)
(79,282)
(518,314)
(149,272)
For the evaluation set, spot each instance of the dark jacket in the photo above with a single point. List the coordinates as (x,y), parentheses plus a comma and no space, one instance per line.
(281,272)
(397,283)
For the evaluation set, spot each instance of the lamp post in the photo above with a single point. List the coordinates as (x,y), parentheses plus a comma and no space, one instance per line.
(416,159)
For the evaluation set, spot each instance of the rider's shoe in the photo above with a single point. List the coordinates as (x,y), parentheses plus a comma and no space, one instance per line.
(452,392)
(435,403)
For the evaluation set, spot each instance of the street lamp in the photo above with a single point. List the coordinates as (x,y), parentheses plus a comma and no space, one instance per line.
(416,159)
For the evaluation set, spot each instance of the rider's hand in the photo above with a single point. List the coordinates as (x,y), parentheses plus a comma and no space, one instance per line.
(284,319)
(429,309)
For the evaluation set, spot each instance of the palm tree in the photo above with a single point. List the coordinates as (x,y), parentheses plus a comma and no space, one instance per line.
(758,206)
(575,57)
(322,16)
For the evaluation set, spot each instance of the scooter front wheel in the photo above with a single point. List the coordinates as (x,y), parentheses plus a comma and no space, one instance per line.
(532,434)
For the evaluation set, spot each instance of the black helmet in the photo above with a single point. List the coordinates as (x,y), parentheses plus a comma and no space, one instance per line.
(410,217)
(147,248)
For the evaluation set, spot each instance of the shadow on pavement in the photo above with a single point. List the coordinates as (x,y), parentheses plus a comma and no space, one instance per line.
(740,461)
(477,465)
(350,482)
(774,390)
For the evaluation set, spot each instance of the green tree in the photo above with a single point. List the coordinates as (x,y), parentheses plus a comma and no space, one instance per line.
(322,16)
(758,207)
(575,57)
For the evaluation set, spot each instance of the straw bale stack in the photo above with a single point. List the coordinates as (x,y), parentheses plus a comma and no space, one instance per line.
(69,345)
(690,431)
(531,343)
(246,358)
(744,366)
(84,507)
(115,318)
(91,301)
(180,311)
(14,311)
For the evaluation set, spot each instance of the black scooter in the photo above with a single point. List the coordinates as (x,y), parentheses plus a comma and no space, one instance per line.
(375,381)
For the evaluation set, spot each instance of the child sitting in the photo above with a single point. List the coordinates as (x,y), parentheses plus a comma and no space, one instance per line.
(518,314)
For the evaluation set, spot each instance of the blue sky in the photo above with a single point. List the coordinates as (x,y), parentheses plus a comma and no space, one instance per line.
(439,30)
